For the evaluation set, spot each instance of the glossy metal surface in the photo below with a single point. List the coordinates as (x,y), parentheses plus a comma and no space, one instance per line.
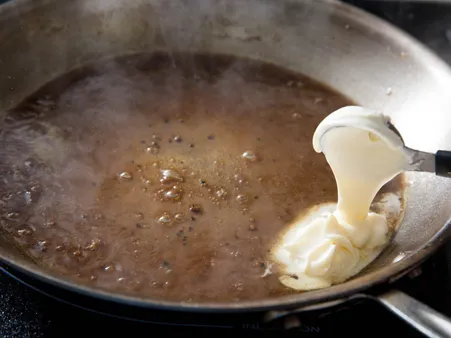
(364,58)
(428,321)
(421,161)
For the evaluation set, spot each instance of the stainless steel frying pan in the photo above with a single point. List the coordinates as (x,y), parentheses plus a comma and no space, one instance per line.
(359,55)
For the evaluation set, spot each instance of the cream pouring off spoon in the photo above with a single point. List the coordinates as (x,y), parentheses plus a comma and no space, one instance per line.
(381,126)
(364,151)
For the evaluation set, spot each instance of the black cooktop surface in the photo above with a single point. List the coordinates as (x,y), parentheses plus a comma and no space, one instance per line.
(25,312)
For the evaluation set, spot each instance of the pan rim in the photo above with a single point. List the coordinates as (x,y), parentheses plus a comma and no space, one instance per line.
(392,34)
(316,297)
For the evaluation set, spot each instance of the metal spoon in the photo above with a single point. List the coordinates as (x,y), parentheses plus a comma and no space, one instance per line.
(438,163)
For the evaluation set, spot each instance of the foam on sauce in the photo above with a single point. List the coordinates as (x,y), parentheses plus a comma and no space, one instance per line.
(337,241)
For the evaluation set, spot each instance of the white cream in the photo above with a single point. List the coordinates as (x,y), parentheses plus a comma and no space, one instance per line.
(337,241)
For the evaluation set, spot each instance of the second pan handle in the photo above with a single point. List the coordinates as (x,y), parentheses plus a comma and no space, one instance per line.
(443,163)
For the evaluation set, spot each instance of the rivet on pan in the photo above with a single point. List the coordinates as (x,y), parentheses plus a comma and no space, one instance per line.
(291,322)
(415,272)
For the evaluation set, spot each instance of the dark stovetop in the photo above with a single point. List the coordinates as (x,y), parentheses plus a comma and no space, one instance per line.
(27,313)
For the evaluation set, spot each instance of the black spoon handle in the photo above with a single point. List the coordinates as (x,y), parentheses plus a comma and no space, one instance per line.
(443,163)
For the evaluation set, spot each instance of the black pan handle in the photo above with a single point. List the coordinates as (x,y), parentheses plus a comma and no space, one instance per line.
(443,163)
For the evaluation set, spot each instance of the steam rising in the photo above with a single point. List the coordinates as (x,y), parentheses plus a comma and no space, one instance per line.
(64,146)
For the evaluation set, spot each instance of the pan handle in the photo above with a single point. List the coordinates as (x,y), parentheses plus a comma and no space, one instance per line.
(422,317)
(443,163)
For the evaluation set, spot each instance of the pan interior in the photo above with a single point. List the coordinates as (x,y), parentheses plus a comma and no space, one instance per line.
(167,176)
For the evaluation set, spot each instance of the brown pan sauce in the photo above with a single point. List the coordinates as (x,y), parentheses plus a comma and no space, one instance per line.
(165,176)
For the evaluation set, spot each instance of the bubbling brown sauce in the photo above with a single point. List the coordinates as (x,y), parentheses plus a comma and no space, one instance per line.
(165,176)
